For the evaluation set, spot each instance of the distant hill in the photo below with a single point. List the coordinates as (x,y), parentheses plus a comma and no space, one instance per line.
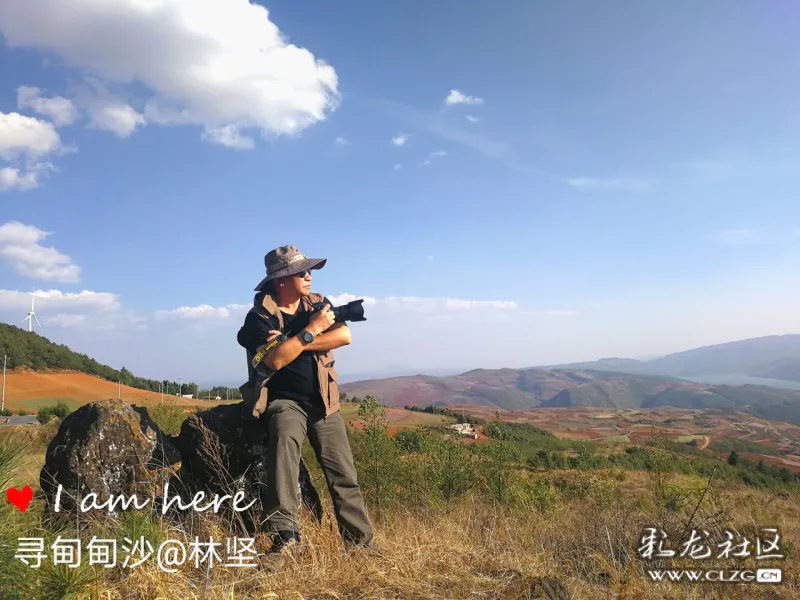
(29,350)
(775,357)
(530,388)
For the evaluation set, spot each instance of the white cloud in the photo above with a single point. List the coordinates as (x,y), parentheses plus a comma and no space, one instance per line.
(400,139)
(118,118)
(340,299)
(28,140)
(63,320)
(15,178)
(472,119)
(340,141)
(435,123)
(22,136)
(457,97)
(456,304)
(202,311)
(56,300)
(554,312)
(737,237)
(396,167)
(432,155)
(228,136)
(619,184)
(212,63)
(19,247)
(61,110)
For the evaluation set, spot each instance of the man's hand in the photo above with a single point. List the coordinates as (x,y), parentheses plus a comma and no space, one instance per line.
(273,333)
(318,324)
(321,320)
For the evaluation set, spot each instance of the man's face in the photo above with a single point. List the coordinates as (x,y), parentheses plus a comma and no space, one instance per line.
(300,283)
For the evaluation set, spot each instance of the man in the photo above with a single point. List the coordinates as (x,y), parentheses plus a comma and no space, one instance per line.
(302,397)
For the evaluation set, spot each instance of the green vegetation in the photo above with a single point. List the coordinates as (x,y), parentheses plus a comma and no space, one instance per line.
(685,439)
(59,411)
(168,417)
(617,439)
(530,439)
(34,405)
(726,445)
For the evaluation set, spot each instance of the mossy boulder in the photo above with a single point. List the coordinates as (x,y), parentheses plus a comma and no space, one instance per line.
(107,447)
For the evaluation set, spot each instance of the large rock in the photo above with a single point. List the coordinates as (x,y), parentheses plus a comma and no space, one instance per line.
(113,448)
(107,447)
(224,453)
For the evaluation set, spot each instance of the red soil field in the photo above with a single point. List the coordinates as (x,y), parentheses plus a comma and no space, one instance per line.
(31,389)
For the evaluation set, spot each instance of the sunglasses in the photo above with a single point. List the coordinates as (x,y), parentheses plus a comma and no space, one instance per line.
(302,274)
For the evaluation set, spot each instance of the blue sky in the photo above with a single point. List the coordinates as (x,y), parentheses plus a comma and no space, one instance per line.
(606,178)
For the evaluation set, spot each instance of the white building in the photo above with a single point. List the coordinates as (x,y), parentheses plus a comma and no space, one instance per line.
(465,429)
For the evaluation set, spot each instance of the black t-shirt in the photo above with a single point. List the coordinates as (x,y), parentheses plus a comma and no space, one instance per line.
(296,381)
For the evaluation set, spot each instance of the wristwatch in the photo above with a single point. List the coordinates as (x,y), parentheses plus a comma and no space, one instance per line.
(308,337)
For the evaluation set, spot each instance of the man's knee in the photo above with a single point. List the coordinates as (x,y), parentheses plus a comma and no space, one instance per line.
(286,421)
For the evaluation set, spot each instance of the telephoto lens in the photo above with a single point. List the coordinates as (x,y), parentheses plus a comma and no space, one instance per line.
(352,311)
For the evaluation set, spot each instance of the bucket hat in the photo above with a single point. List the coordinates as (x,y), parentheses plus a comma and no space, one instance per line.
(287,260)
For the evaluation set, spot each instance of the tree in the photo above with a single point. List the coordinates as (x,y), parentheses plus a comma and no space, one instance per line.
(733,458)
(379,453)
(498,468)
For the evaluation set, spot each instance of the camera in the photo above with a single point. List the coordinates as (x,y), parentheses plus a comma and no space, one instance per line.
(352,311)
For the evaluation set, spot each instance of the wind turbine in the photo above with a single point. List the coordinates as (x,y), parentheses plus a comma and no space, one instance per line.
(32,315)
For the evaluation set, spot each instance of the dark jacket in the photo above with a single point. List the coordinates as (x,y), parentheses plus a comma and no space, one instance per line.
(255,393)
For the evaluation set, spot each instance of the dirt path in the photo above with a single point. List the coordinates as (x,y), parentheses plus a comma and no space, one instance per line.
(706,442)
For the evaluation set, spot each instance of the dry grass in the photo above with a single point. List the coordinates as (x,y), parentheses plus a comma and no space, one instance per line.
(469,550)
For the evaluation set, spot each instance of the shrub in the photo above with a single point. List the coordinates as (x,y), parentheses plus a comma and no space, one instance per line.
(169,417)
(59,411)
(542,495)
(408,440)
(450,469)
(378,456)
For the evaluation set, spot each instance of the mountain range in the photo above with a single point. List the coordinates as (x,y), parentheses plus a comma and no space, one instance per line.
(619,382)
(775,358)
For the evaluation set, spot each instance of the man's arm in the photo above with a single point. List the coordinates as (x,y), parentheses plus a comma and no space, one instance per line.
(294,346)
(336,337)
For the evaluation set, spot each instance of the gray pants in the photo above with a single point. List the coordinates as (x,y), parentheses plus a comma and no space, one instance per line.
(288,426)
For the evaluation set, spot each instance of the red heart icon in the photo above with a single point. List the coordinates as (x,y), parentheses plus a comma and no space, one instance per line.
(20,498)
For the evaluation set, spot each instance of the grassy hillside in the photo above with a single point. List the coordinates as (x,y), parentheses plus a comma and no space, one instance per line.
(452,520)
(29,350)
